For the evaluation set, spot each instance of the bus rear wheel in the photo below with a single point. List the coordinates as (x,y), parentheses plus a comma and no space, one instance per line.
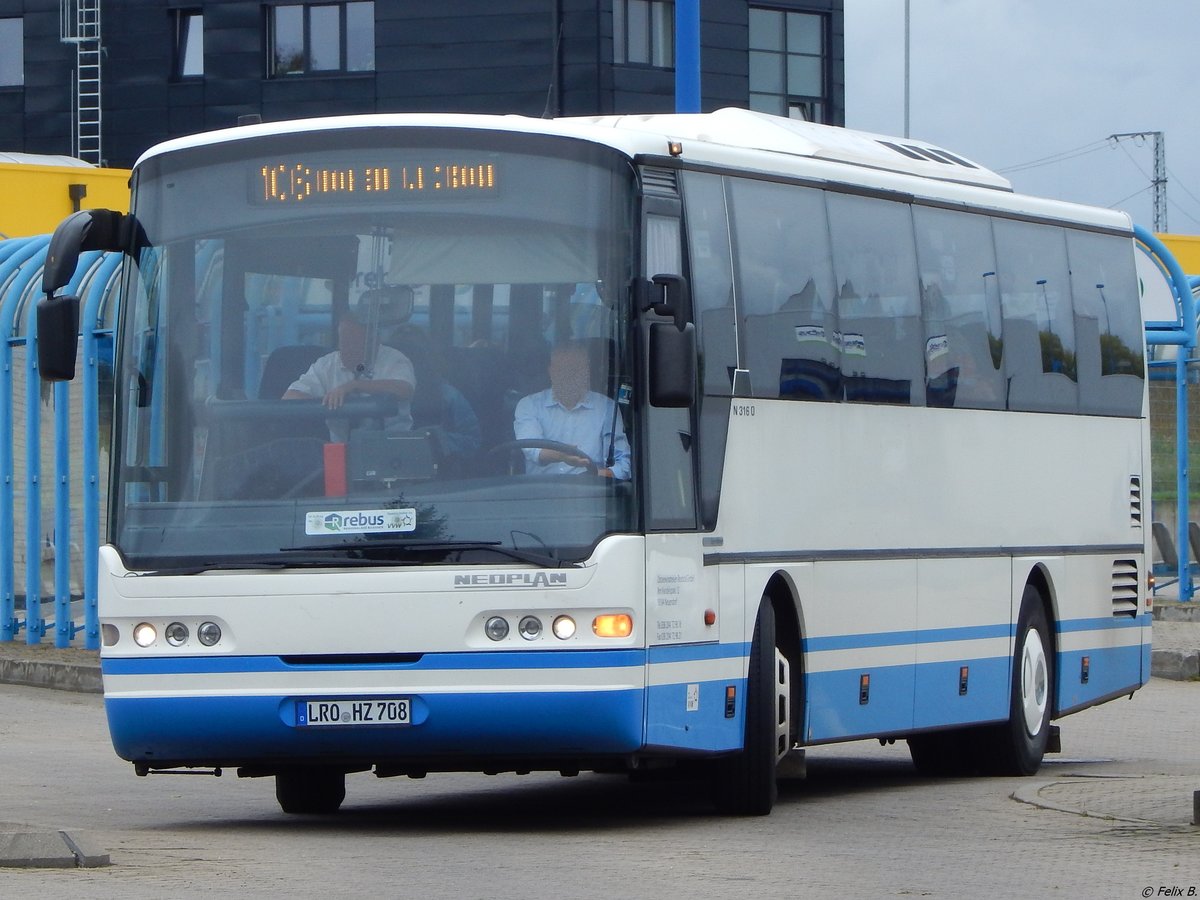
(1016,747)
(310,790)
(745,784)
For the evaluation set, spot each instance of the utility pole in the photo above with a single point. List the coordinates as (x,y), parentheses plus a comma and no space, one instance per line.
(1159,181)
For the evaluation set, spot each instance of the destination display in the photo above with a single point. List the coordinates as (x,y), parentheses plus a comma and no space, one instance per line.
(296,181)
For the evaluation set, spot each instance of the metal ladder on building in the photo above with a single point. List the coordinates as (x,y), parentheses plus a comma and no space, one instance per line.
(80,25)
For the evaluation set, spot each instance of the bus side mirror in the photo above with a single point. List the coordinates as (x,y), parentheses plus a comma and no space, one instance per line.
(88,229)
(672,365)
(57,329)
(674,299)
(58,317)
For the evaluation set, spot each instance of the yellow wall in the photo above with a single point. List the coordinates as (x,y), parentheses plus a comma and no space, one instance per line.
(34,199)
(1186,249)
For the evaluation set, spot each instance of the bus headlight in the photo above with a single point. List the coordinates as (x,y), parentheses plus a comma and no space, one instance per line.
(530,628)
(496,628)
(176,634)
(209,633)
(563,628)
(144,634)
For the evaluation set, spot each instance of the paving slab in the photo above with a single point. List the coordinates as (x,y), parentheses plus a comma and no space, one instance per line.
(49,850)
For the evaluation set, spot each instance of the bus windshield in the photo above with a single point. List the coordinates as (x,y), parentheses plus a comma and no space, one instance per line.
(341,345)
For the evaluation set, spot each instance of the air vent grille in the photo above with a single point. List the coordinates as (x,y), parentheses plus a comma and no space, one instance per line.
(659,182)
(1125,588)
(1135,501)
(929,154)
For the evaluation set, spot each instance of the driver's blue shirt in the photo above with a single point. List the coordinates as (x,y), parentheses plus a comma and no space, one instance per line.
(589,426)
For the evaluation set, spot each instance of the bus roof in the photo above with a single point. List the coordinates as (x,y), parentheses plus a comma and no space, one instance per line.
(736,138)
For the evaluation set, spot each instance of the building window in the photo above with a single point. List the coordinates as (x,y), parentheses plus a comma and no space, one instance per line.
(644,33)
(315,38)
(788,63)
(12,52)
(188,52)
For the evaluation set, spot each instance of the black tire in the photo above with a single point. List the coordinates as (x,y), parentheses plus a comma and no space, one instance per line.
(744,784)
(1016,747)
(310,790)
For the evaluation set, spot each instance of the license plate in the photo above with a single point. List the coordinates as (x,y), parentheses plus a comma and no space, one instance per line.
(355,711)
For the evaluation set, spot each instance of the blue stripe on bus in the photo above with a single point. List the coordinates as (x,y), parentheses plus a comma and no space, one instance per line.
(240,730)
(495,660)
(951,635)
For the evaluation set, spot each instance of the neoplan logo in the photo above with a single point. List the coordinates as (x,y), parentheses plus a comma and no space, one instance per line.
(511,579)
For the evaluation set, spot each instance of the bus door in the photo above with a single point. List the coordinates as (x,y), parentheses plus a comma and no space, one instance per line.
(687,677)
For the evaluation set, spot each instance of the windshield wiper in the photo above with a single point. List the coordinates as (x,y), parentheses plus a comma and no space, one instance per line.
(271,564)
(542,560)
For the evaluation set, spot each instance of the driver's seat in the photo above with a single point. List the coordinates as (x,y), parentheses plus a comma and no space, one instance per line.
(285,365)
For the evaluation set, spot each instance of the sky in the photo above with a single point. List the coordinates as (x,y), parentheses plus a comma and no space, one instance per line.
(1010,83)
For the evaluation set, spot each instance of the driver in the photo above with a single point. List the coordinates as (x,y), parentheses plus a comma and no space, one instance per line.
(571,413)
(360,365)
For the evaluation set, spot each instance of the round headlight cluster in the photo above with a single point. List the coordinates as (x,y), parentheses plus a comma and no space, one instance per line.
(176,634)
(563,627)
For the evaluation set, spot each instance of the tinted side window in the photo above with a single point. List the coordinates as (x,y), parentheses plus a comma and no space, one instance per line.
(1039,324)
(711,279)
(711,276)
(961,303)
(1108,325)
(785,288)
(878,304)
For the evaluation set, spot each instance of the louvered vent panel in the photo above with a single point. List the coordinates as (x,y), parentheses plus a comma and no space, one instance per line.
(659,182)
(1135,501)
(1125,588)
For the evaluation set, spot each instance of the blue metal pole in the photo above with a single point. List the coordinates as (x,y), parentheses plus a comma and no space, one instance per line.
(91,320)
(64,626)
(64,623)
(1182,288)
(35,625)
(13,254)
(1183,479)
(687,56)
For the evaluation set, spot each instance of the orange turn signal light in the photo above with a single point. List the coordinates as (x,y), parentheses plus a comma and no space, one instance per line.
(613,625)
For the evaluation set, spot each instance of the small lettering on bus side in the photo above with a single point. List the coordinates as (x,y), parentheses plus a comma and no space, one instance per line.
(743,409)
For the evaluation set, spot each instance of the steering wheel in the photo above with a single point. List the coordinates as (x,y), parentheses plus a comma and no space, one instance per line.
(543,444)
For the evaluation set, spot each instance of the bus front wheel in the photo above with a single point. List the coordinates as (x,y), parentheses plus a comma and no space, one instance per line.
(310,790)
(745,784)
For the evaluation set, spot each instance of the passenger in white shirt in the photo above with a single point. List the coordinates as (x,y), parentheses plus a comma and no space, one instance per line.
(571,413)
(357,367)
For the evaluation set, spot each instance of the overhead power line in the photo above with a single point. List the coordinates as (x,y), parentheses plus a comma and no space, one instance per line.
(1053,158)
(1159,180)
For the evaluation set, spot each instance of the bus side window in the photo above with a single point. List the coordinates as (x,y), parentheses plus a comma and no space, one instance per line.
(1108,330)
(1039,324)
(785,291)
(962,332)
(879,307)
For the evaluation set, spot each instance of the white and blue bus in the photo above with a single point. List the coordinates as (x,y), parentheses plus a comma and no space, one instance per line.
(887,443)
